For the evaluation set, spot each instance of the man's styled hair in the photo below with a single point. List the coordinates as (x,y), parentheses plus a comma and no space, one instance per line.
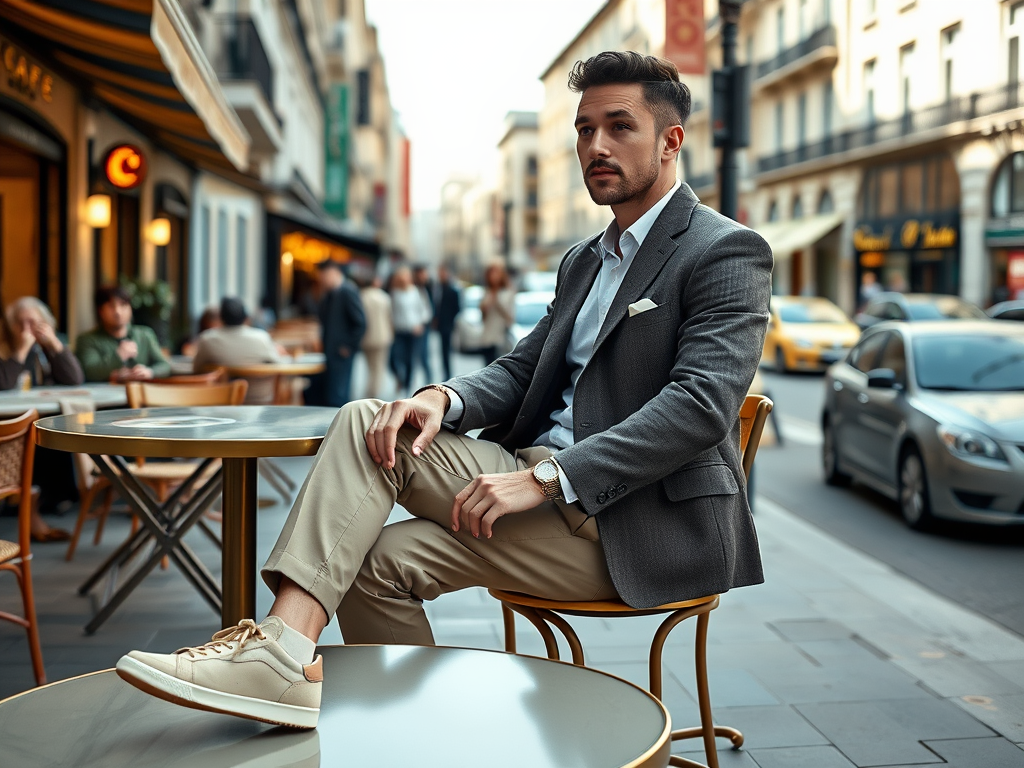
(108,293)
(232,312)
(667,97)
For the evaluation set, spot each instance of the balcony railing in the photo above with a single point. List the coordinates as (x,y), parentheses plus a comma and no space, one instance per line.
(818,39)
(953,111)
(241,55)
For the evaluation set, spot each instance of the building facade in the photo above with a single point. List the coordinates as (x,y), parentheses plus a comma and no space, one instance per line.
(884,139)
(517,189)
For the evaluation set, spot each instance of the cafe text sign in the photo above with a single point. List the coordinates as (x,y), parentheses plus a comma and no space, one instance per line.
(24,75)
(907,235)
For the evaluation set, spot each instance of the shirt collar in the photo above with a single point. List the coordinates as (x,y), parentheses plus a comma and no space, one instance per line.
(634,236)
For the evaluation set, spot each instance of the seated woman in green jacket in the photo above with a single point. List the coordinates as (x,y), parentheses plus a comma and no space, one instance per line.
(116,350)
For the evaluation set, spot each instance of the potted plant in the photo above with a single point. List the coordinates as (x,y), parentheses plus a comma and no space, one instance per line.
(152,303)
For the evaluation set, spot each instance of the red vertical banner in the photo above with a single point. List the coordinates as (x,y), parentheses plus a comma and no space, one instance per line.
(684,35)
(1015,274)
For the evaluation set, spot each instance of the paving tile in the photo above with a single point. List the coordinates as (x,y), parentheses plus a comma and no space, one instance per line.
(730,688)
(800,757)
(727,757)
(1004,714)
(951,676)
(821,629)
(874,733)
(770,727)
(1011,670)
(972,753)
(859,681)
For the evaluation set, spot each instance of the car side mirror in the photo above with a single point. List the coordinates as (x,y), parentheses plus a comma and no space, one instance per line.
(882,378)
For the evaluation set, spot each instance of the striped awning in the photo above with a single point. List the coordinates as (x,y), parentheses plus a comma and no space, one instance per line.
(142,58)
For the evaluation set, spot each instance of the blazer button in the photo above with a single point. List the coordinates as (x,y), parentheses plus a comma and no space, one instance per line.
(621,488)
(601,498)
(611,493)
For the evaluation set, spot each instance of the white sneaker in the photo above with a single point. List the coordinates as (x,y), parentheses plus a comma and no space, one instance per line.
(242,671)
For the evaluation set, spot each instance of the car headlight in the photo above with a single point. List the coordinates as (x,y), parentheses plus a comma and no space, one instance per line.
(804,343)
(968,444)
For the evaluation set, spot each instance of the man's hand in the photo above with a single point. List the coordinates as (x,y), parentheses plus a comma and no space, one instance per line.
(424,411)
(139,373)
(127,350)
(482,502)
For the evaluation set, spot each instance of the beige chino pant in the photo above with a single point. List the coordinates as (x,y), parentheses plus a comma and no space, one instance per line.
(335,544)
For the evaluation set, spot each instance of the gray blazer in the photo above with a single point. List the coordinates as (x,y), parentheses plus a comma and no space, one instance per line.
(655,413)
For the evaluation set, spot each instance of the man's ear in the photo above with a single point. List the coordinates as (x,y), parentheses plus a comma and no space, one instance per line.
(673,138)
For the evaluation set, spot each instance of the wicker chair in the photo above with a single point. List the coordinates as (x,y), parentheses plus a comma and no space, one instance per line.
(17,453)
(546,613)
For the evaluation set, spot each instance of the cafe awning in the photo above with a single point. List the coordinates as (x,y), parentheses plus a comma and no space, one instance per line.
(142,58)
(286,211)
(786,237)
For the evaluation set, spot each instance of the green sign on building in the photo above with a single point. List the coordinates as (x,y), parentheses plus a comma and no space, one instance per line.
(336,135)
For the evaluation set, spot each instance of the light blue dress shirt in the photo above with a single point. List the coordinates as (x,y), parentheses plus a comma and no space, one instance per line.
(588,325)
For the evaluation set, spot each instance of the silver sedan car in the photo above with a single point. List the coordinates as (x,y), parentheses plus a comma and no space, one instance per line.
(932,414)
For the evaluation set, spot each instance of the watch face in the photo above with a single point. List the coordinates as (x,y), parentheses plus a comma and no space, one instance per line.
(545,472)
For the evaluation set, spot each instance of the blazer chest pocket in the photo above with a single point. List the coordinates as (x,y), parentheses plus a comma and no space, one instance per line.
(702,480)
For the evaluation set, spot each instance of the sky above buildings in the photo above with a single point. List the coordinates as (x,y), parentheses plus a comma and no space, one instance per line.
(456,67)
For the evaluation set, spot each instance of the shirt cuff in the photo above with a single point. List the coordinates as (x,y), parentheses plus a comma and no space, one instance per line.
(567,490)
(455,410)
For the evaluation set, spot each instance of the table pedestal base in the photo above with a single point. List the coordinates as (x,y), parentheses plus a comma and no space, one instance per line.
(239,571)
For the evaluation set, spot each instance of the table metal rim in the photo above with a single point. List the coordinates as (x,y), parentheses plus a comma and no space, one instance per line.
(665,736)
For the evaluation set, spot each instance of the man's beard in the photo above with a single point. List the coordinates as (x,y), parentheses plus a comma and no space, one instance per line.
(627,189)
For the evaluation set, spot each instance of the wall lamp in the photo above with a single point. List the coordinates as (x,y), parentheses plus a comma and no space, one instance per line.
(158,231)
(97,211)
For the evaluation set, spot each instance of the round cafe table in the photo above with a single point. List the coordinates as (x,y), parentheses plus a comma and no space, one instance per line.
(46,400)
(383,706)
(238,435)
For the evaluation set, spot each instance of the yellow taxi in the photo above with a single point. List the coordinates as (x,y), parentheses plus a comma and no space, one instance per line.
(807,333)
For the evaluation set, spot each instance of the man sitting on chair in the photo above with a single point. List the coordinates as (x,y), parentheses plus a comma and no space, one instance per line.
(610,464)
(237,344)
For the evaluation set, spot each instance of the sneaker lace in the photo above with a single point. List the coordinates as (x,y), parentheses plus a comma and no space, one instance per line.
(245,631)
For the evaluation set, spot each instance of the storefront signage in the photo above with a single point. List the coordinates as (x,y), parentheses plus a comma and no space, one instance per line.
(24,75)
(1015,274)
(933,233)
(125,166)
(684,35)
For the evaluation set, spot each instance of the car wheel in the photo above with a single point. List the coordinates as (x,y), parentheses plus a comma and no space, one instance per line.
(915,505)
(780,360)
(830,458)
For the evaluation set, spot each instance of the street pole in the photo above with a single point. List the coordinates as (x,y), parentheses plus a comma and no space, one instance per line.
(728,174)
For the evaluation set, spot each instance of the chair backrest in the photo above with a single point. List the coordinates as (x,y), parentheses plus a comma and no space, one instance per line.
(85,467)
(17,455)
(214,376)
(142,394)
(753,415)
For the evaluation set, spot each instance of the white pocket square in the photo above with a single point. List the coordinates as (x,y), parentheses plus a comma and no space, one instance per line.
(641,306)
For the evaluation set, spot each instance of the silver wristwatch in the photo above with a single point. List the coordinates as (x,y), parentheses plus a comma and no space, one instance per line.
(547,474)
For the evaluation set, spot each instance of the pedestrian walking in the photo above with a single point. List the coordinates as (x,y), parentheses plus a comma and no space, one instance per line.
(447,301)
(410,312)
(380,334)
(342,325)
(421,353)
(498,310)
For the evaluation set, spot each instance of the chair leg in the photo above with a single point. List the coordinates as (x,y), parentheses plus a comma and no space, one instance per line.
(508,619)
(35,648)
(87,497)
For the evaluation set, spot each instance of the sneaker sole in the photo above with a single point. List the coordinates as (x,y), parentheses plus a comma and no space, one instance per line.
(185,694)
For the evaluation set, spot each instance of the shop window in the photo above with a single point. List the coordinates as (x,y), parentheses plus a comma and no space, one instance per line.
(926,185)
(825,204)
(888,191)
(798,208)
(773,211)
(912,188)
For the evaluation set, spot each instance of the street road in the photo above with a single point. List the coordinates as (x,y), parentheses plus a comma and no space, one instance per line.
(979,567)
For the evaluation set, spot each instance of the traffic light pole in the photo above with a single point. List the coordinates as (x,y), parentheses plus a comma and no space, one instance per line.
(728,173)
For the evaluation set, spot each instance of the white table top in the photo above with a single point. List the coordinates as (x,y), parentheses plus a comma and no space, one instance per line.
(46,400)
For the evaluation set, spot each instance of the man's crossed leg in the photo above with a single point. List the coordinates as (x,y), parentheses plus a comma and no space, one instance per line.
(336,555)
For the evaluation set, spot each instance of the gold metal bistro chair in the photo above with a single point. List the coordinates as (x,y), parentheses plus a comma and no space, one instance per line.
(17,454)
(542,613)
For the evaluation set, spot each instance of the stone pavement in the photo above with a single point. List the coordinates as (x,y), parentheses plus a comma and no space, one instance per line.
(836,661)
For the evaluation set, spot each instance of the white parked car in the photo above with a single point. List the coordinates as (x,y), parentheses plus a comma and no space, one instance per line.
(531,306)
(469,323)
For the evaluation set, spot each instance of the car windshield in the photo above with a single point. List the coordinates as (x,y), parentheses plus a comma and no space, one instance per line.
(975,363)
(943,308)
(811,312)
(530,313)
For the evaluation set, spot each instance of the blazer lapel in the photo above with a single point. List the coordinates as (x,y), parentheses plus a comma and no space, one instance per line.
(657,247)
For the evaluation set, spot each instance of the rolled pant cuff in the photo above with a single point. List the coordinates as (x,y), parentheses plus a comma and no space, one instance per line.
(307,577)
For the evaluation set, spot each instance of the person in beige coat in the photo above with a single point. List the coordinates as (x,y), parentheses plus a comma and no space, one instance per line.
(379,334)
